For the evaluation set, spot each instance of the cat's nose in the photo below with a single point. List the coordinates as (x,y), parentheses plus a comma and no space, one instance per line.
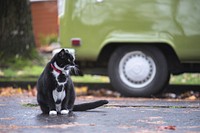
(58,101)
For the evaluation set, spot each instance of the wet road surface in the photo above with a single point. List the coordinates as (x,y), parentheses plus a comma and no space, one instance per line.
(21,114)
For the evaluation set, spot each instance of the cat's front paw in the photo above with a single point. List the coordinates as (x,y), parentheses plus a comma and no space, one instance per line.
(52,112)
(64,112)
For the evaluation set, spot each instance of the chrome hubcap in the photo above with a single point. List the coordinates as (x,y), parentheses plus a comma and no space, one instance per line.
(137,69)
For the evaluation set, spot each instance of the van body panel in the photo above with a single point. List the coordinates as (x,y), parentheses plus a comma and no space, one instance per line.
(98,23)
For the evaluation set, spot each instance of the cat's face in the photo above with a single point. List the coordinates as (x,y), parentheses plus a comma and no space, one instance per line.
(64,58)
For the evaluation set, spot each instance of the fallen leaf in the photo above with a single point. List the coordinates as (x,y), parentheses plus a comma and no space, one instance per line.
(170,127)
(9,91)
(81,90)
(92,125)
(126,126)
(191,98)
(8,118)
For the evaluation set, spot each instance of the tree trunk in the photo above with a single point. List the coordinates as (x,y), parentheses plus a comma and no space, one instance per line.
(16,35)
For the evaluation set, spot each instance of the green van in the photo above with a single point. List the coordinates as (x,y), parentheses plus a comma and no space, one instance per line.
(137,43)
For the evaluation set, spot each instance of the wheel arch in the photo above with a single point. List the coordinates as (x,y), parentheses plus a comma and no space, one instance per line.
(169,53)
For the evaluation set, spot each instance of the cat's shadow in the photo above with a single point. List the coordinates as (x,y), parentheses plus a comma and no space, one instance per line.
(45,119)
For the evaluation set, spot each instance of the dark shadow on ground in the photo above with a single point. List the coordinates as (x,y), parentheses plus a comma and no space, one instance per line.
(44,119)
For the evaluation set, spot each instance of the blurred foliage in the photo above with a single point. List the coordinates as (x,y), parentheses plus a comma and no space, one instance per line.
(28,73)
(185,79)
(25,72)
(91,94)
(22,69)
(10,91)
(19,62)
(47,39)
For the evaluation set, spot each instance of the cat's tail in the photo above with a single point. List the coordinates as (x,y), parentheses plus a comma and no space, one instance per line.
(88,106)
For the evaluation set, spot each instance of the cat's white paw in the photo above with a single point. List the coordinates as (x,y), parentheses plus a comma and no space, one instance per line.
(64,112)
(52,112)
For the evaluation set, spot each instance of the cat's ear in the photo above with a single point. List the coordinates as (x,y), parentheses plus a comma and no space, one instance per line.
(63,50)
(67,51)
(61,53)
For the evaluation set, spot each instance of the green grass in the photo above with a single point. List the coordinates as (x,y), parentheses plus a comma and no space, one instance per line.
(28,73)
(31,73)
(193,79)
(91,79)
(186,79)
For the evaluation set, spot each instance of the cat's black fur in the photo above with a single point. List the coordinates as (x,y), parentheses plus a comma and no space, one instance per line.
(55,86)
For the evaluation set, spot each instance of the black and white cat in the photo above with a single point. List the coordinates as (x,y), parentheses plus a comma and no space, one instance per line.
(55,88)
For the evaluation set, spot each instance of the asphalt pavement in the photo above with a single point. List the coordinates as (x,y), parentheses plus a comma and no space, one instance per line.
(121,115)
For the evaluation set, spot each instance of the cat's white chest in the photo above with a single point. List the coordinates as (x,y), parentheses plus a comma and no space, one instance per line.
(58,96)
(55,74)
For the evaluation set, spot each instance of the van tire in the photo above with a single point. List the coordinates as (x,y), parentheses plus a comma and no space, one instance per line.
(138,70)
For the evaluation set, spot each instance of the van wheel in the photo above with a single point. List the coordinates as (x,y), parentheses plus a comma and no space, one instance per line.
(138,70)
